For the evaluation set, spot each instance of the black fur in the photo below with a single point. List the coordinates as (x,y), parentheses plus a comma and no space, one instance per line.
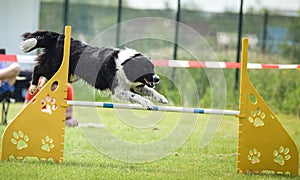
(128,74)
(92,59)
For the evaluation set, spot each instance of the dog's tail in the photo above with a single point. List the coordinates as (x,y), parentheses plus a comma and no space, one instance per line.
(39,39)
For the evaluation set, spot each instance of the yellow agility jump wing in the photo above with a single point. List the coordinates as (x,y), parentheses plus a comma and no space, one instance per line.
(263,143)
(38,130)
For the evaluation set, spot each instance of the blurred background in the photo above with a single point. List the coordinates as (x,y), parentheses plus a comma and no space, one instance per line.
(272,27)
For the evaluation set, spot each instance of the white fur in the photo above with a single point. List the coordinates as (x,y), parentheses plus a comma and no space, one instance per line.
(128,96)
(122,79)
(125,54)
(32,89)
(122,92)
(150,92)
(28,44)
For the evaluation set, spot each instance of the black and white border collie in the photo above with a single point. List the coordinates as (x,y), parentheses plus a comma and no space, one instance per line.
(129,75)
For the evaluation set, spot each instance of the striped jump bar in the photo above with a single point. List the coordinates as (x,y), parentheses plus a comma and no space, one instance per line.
(156,108)
(29,59)
(173,63)
(220,65)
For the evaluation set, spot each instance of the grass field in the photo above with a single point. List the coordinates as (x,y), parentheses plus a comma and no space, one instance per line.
(217,160)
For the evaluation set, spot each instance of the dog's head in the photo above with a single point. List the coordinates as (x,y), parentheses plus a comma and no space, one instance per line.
(138,68)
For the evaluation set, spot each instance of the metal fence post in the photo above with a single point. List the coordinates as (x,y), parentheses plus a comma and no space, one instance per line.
(265,32)
(176,38)
(239,45)
(65,13)
(119,18)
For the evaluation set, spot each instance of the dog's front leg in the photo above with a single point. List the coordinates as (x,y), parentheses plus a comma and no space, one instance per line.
(133,98)
(146,91)
(35,80)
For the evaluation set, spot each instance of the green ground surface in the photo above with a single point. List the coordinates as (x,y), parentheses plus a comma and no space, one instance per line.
(82,160)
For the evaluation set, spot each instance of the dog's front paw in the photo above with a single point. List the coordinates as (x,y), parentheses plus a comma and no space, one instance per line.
(147,104)
(32,89)
(162,99)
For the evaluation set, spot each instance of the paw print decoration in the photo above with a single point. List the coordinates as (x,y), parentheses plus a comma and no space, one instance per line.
(47,144)
(20,140)
(48,105)
(257,117)
(281,155)
(254,156)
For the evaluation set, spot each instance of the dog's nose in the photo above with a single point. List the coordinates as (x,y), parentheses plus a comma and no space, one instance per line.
(156,79)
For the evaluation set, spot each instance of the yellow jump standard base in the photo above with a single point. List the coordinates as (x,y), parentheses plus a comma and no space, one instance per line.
(263,143)
(38,130)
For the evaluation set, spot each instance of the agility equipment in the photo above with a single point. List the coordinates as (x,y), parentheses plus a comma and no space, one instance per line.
(30,59)
(263,143)
(156,108)
(38,130)
(220,65)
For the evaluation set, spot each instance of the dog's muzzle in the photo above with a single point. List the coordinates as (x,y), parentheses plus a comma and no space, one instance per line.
(155,80)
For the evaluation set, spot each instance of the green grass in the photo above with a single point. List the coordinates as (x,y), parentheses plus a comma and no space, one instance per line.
(217,160)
